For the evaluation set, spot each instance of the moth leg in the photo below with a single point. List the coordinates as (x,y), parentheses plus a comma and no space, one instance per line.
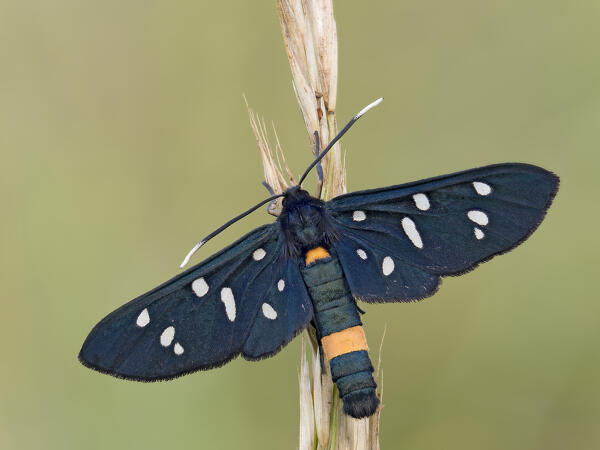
(319,166)
(322,359)
(272,206)
(314,332)
(358,308)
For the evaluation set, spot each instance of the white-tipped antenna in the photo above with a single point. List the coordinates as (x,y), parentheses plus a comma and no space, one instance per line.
(338,136)
(227,224)
(274,197)
(368,107)
(190,254)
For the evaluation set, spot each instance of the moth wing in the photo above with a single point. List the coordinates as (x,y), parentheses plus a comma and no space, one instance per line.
(205,316)
(285,311)
(374,275)
(441,226)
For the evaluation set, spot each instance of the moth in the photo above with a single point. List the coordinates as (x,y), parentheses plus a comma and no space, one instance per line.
(312,264)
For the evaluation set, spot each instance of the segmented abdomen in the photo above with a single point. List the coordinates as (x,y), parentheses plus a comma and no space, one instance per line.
(340,329)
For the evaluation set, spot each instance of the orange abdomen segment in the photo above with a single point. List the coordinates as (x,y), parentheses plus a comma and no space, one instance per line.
(315,254)
(349,340)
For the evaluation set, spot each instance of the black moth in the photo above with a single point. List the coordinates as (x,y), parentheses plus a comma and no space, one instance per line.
(311,265)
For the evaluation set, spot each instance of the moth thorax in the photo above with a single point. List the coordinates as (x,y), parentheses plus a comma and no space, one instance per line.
(306,225)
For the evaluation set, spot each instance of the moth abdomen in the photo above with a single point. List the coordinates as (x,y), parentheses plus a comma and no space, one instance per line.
(342,335)
(352,372)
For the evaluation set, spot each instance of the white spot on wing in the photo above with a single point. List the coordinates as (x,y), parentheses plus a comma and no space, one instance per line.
(143,319)
(200,287)
(411,231)
(229,302)
(479,217)
(421,201)
(359,216)
(258,254)
(178,349)
(167,336)
(479,234)
(388,266)
(268,311)
(281,285)
(482,188)
(360,252)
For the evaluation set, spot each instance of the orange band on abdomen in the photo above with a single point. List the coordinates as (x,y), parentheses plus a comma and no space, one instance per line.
(316,253)
(349,340)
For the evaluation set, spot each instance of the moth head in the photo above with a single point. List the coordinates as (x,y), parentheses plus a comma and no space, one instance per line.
(304,222)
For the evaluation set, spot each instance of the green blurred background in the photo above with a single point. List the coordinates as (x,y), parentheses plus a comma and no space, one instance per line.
(125,138)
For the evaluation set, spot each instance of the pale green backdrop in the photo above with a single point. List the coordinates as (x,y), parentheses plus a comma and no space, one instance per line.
(124,138)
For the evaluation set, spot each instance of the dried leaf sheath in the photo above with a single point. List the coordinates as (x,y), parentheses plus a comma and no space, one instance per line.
(310,39)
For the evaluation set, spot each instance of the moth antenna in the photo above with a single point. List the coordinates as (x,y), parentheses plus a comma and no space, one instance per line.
(317,152)
(338,136)
(274,197)
(225,226)
(319,166)
(268,187)
(190,253)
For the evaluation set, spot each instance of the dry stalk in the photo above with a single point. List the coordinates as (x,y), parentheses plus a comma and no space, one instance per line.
(310,38)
